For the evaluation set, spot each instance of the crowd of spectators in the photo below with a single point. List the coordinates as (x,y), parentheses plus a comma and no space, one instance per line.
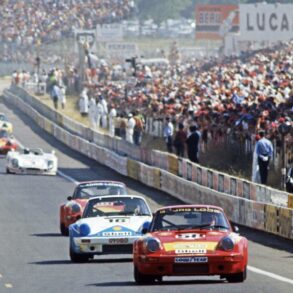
(229,99)
(25,22)
(233,97)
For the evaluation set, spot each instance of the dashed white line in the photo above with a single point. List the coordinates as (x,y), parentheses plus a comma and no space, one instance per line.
(271,275)
(8,285)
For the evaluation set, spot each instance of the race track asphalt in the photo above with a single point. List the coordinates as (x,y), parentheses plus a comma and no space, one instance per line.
(34,256)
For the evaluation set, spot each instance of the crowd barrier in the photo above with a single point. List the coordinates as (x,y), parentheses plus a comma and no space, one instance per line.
(252,213)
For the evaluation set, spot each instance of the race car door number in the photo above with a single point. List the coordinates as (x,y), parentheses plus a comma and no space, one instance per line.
(118,241)
(191,259)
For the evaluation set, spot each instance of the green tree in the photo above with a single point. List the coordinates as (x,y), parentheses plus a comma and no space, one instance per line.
(160,10)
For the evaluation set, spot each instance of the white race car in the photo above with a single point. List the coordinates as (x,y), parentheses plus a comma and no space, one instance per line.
(31,161)
(109,225)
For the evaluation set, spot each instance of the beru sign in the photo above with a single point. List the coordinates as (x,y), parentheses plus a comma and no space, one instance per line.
(266,22)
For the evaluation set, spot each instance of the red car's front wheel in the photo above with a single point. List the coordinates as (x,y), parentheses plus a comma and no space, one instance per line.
(237,278)
(64,230)
(145,279)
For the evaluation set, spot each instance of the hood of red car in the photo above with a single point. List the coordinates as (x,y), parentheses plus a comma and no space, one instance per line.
(193,241)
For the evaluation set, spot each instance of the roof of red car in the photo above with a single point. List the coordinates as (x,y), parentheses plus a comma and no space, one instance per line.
(191,206)
(101,181)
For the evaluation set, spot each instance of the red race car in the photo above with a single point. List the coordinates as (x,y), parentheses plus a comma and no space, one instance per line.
(7,142)
(72,210)
(190,240)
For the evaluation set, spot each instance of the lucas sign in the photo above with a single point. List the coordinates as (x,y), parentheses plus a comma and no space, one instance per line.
(266,22)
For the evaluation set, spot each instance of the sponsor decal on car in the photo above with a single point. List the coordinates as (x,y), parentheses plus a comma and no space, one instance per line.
(173,246)
(200,259)
(116,234)
(190,236)
(118,241)
(188,251)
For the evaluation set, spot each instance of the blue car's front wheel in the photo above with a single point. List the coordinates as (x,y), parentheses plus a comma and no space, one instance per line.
(78,257)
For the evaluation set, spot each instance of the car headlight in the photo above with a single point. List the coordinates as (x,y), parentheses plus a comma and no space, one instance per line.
(14,163)
(73,207)
(84,230)
(153,244)
(226,244)
(50,164)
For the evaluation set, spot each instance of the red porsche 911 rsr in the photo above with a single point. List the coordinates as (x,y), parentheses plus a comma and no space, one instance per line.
(72,210)
(190,240)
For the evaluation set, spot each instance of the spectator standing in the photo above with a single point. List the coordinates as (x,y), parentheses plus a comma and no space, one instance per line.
(255,177)
(168,134)
(55,95)
(123,126)
(105,112)
(84,103)
(179,140)
(99,112)
(92,112)
(138,128)
(130,128)
(264,151)
(112,116)
(63,96)
(192,143)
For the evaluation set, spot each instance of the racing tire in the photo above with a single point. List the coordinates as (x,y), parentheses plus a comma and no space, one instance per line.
(77,257)
(64,230)
(142,279)
(237,278)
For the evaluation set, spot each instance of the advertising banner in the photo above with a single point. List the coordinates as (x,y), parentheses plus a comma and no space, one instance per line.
(214,21)
(109,32)
(266,22)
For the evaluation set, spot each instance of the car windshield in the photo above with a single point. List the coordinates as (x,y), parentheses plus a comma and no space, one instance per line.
(85,191)
(37,152)
(189,218)
(4,134)
(3,117)
(116,206)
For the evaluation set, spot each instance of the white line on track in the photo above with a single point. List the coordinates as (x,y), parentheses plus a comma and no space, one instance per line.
(67,177)
(250,268)
(271,275)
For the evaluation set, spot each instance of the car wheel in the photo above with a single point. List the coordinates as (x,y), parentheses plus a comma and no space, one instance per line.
(142,278)
(8,171)
(237,278)
(64,230)
(77,257)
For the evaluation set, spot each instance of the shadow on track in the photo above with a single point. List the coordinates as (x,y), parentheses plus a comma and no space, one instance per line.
(172,283)
(69,262)
(47,235)
(266,239)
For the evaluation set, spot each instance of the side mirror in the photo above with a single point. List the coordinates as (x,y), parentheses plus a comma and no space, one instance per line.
(144,231)
(145,227)
(69,198)
(236,229)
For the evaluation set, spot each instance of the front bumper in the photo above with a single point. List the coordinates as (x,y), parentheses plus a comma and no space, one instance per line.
(31,171)
(212,265)
(103,245)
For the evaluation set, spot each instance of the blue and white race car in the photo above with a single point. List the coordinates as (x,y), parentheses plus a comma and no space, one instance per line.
(109,225)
